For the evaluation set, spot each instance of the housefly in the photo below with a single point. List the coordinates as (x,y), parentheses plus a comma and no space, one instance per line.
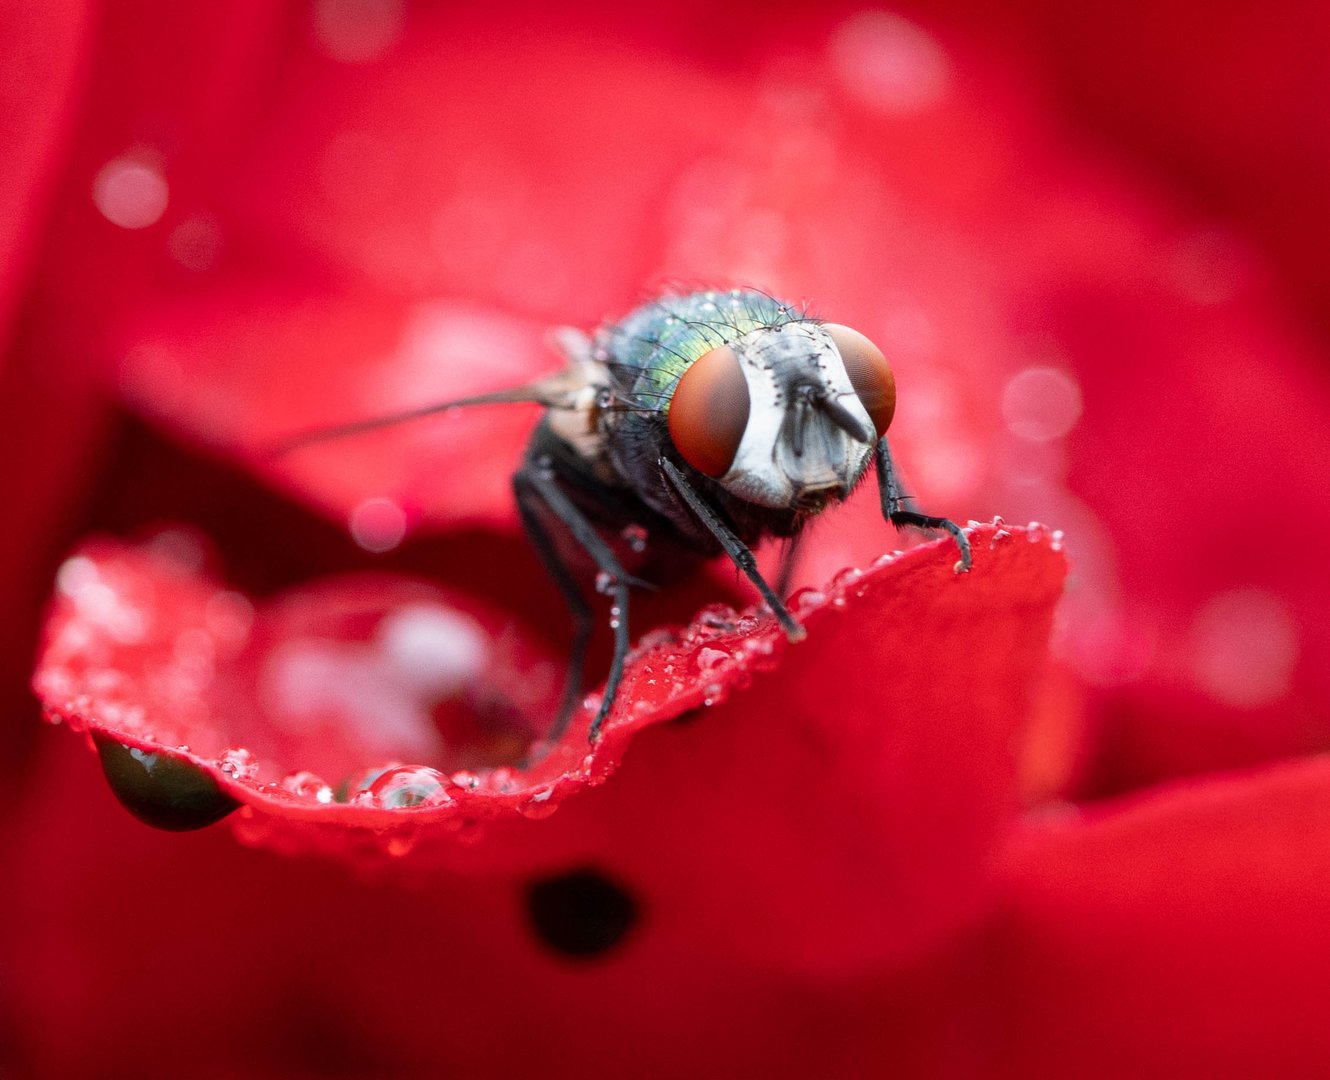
(706,421)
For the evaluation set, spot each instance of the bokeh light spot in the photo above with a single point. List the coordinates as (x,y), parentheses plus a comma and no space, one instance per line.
(194,243)
(130,193)
(889,63)
(1041,403)
(356,31)
(1244,643)
(378,524)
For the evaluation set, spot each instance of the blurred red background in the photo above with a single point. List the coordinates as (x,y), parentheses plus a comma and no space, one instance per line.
(1094,243)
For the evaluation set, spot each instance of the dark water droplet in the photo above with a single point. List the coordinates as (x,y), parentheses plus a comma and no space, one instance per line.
(164,791)
(580,913)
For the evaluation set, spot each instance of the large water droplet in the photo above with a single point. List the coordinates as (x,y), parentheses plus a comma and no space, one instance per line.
(538,806)
(164,791)
(410,786)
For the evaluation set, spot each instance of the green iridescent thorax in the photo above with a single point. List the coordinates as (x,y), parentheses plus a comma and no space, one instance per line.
(653,346)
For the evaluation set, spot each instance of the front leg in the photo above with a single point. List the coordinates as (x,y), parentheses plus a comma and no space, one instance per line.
(893,501)
(735,548)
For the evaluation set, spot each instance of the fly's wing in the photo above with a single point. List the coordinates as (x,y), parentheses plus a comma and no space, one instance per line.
(573,388)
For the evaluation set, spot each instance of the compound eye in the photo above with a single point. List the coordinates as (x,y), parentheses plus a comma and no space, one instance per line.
(869,373)
(709,411)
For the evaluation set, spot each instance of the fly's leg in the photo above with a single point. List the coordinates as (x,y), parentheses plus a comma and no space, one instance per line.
(527,502)
(535,485)
(893,501)
(735,548)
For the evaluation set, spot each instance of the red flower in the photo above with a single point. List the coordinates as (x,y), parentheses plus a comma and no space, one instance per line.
(876,850)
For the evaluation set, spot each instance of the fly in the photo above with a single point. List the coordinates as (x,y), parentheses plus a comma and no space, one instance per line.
(710,420)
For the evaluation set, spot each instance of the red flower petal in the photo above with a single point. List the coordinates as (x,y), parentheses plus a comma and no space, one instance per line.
(1180,934)
(337,681)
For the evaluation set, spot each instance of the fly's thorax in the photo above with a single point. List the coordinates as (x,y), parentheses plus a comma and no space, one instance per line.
(804,437)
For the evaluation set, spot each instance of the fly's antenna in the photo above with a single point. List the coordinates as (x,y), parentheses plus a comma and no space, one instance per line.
(562,391)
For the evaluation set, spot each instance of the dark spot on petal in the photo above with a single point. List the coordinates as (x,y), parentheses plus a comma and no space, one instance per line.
(580,913)
(164,791)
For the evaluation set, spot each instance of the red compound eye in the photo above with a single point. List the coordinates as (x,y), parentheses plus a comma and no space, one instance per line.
(869,373)
(709,411)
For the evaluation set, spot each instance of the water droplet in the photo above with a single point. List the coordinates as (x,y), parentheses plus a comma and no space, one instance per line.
(237,763)
(998,537)
(605,583)
(466,780)
(410,786)
(307,785)
(805,600)
(539,805)
(708,659)
(997,522)
(711,693)
(635,537)
(847,577)
(1057,540)
(720,618)
(160,789)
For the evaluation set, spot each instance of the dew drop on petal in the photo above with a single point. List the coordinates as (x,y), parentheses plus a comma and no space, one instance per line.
(160,789)
(539,805)
(238,763)
(308,785)
(130,193)
(377,524)
(708,659)
(1041,403)
(410,786)
(1244,644)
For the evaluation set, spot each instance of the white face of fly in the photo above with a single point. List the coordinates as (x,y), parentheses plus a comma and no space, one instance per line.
(808,438)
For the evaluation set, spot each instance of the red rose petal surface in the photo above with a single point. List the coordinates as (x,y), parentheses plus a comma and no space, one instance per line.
(1182,933)
(320,688)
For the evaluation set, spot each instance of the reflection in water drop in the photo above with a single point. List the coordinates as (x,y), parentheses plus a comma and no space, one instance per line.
(408,786)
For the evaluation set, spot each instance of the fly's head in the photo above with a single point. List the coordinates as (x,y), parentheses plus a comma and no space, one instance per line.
(785,416)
